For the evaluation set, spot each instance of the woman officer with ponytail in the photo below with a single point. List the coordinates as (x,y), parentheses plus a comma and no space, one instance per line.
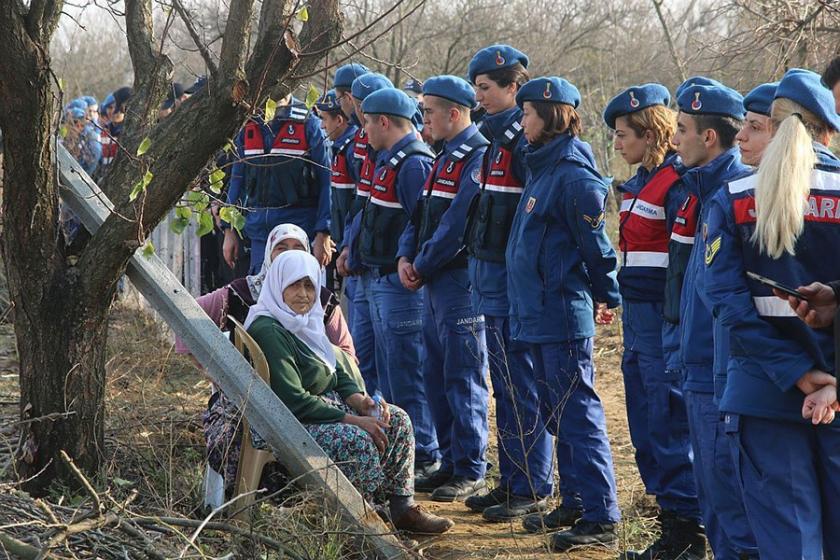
(782,223)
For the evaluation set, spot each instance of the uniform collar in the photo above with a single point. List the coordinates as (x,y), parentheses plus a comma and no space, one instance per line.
(704,180)
(384,155)
(562,147)
(494,126)
(349,133)
(635,183)
(460,138)
(826,159)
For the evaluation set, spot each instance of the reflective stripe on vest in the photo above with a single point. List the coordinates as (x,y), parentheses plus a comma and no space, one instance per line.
(384,191)
(500,177)
(771,306)
(290,139)
(643,232)
(339,173)
(823,208)
(366,176)
(685,223)
(360,144)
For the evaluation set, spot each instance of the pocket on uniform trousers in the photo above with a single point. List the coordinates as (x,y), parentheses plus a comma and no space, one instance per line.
(733,427)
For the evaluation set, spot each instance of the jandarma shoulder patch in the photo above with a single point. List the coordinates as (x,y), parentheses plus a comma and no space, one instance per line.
(712,248)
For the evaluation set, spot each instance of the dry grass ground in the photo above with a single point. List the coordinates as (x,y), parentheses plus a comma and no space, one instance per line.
(155,449)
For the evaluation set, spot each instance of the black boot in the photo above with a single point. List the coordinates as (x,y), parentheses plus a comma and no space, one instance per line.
(458,488)
(680,539)
(558,518)
(584,534)
(514,508)
(496,496)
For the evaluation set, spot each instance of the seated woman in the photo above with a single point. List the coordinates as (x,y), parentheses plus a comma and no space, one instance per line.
(237,297)
(373,444)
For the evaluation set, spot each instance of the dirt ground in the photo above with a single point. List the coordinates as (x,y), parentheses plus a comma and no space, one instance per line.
(155,443)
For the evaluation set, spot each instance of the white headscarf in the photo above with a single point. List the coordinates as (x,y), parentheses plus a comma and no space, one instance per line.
(278,234)
(288,268)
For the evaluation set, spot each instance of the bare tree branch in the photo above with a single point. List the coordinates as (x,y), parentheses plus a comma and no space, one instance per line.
(657,4)
(202,48)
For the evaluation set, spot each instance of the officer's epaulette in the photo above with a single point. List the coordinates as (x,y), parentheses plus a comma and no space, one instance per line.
(414,147)
(297,112)
(340,147)
(465,149)
(512,133)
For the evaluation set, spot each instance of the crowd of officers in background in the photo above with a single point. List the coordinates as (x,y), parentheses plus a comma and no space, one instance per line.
(464,222)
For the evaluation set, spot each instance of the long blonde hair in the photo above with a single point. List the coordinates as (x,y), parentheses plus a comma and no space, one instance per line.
(783,181)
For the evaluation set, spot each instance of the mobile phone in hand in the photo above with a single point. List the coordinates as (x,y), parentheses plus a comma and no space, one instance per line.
(776,285)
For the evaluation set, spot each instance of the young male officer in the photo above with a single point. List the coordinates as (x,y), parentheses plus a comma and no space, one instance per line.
(402,165)
(710,116)
(432,253)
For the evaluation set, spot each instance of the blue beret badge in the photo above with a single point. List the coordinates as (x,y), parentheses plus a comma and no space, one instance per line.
(499,58)
(547,92)
(633,101)
(696,105)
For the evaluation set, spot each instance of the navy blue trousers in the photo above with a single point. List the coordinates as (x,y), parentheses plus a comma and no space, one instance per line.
(454,370)
(790,475)
(721,501)
(525,447)
(656,412)
(573,412)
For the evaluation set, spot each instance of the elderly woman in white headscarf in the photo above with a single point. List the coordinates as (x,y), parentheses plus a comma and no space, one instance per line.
(237,297)
(373,443)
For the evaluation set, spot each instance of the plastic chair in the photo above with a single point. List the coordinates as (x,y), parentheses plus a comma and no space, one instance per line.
(251,461)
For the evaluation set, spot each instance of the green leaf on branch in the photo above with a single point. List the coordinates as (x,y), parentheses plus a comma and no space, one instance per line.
(61,84)
(232,216)
(198,200)
(140,186)
(148,249)
(178,225)
(311,96)
(62,131)
(270,109)
(144,146)
(205,223)
(228,147)
(184,212)
(303,14)
(217,177)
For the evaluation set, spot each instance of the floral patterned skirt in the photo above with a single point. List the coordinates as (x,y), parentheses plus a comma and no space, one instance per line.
(375,475)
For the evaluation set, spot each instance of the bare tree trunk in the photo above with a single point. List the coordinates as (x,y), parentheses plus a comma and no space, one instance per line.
(62,309)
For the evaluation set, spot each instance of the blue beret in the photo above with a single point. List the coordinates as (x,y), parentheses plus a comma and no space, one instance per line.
(549,90)
(109,100)
(90,100)
(345,75)
(453,88)
(495,57)
(412,85)
(696,81)
(805,87)
(366,84)
(78,102)
(390,101)
(76,112)
(328,102)
(711,100)
(760,98)
(634,99)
